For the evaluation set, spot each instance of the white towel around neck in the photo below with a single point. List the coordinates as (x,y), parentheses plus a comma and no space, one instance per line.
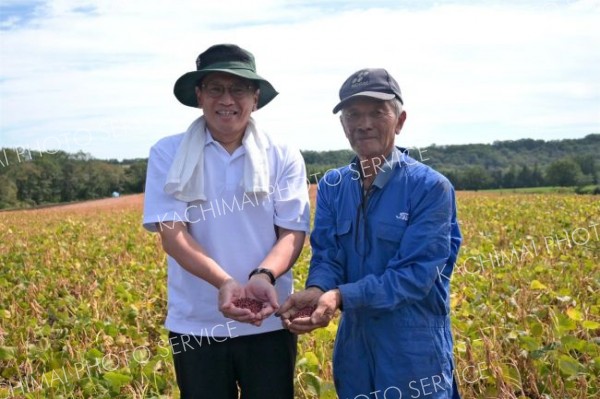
(185,180)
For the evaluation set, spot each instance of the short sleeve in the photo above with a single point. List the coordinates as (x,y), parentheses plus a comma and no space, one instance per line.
(159,207)
(292,208)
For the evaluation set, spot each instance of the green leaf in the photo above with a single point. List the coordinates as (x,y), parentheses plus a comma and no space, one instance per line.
(529,343)
(117,380)
(314,383)
(93,354)
(565,324)
(536,329)
(570,342)
(568,365)
(7,352)
(312,360)
(590,325)
(111,330)
(537,285)
(574,314)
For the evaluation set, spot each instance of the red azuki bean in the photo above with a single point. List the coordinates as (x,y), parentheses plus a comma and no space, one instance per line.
(304,312)
(249,303)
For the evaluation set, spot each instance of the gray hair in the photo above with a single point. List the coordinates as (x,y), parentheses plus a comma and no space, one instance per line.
(397,106)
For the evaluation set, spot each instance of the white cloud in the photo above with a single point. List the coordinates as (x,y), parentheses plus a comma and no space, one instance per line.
(468,73)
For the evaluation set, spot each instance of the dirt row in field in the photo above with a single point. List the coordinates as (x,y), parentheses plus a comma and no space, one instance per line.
(125,201)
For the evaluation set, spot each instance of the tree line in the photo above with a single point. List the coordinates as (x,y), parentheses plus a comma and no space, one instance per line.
(520,163)
(29,178)
(502,164)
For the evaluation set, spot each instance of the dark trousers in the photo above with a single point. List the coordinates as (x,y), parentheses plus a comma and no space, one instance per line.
(261,365)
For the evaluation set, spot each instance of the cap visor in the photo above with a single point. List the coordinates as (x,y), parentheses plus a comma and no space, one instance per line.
(373,94)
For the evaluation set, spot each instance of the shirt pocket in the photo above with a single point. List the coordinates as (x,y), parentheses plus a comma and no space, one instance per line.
(390,231)
(389,236)
(343,238)
(343,227)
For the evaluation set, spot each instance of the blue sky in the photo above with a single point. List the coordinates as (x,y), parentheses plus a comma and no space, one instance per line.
(97,75)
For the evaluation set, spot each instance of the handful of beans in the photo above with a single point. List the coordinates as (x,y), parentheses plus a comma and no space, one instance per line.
(304,312)
(254,305)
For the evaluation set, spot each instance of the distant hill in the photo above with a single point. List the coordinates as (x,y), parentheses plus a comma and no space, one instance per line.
(503,154)
(499,155)
(502,164)
(29,178)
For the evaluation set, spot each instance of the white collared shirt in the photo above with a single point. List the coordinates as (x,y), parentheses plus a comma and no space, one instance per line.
(236,229)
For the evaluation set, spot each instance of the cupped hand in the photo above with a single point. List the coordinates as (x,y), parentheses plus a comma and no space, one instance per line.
(262,290)
(229,292)
(295,303)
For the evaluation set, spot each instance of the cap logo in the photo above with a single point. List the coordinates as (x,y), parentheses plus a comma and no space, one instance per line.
(360,79)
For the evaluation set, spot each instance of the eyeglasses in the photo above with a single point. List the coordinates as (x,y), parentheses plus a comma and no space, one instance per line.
(237,90)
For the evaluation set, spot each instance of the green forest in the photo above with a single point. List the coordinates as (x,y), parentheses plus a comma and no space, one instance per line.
(29,178)
(502,164)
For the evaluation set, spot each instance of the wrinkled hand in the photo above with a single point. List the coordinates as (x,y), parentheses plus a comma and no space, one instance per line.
(229,292)
(262,290)
(327,303)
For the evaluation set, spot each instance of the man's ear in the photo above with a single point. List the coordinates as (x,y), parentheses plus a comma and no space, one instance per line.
(256,95)
(344,127)
(197,90)
(400,123)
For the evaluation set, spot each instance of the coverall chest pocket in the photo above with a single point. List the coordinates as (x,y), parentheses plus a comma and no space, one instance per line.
(342,229)
(343,238)
(389,236)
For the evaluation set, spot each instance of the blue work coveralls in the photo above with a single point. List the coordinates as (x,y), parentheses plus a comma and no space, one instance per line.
(391,253)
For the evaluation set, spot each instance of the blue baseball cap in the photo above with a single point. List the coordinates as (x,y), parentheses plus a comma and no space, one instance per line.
(370,82)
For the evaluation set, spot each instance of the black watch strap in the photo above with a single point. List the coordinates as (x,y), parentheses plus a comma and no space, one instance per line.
(262,270)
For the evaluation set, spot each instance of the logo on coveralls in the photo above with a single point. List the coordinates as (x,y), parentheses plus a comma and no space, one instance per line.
(402,216)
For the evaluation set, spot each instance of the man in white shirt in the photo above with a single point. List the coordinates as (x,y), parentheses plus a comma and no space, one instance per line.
(231,206)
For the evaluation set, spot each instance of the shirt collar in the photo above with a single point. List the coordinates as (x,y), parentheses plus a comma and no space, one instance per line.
(211,141)
(385,170)
(209,137)
(385,173)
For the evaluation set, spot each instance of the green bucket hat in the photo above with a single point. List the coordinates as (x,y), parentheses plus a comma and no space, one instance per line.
(227,58)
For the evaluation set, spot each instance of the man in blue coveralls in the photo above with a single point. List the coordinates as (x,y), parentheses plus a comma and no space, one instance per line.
(384,245)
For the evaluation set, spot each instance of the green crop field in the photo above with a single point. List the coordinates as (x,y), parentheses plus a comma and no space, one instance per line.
(83,296)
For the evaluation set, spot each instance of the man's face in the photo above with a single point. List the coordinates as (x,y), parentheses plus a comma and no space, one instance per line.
(227,102)
(371,126)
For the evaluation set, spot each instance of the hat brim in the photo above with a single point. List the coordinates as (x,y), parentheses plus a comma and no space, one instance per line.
(373,94)
(184,88)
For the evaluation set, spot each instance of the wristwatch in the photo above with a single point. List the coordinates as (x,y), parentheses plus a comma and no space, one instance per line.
(262,270)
